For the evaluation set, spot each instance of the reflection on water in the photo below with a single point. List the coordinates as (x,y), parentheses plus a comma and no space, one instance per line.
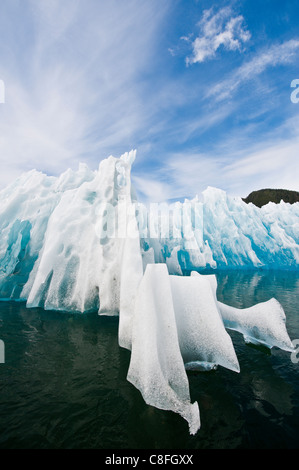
(64,385)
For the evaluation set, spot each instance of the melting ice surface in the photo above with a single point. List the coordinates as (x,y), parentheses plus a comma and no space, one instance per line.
(81,242)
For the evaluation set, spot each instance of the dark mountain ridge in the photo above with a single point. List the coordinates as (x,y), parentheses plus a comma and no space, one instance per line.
(263,196)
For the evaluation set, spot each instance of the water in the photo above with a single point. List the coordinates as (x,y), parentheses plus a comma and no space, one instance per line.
(64,385)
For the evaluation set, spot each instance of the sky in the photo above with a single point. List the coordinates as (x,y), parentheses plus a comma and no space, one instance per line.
(202,90)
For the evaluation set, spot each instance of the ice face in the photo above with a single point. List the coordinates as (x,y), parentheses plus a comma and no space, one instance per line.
(66,275)
(263,324)
(202,336)
(156,366)
(25,208)
(58,248)
(175,235)
(130,277)
(223,231)
(176,327)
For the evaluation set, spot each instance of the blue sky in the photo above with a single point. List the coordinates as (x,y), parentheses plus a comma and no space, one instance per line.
(201,89)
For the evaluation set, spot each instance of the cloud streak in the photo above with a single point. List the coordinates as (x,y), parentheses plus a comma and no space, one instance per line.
(277,54)
(86,79)
(74,84)
(270,164)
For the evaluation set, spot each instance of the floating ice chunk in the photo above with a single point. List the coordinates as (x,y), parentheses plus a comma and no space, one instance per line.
(172,262)
(201,332)
(131,275)
(86,248)
(212,280)
(156,367)
(264,324)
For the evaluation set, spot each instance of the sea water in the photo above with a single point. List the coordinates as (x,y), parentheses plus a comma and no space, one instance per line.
(63,383)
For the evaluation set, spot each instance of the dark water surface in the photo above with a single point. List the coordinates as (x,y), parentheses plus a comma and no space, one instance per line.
(63,384)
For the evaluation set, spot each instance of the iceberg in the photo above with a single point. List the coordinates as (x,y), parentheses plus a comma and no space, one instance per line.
(65,241)
(81,242)
(179,325)
(202,336)
(176,327)
(59,249)
(263,324)
(156,366)
(222,231)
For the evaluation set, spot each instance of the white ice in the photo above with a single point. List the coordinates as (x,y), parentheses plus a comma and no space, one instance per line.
(82,261)
(156,366)
(218,231)
(202,335)
(263,323)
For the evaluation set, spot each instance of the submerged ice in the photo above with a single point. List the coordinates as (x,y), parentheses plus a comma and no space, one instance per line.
(263,324)
(81,242)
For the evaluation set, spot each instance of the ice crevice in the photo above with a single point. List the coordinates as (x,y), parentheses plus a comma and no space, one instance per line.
(81,242)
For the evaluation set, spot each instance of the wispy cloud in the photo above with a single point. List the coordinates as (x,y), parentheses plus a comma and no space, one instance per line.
(272,166)
(151,189)
(272,163)
(73,83)
(277,54)
(221,29)
(87,78)
(181,175)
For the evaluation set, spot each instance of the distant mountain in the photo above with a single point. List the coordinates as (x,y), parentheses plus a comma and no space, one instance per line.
(263,196)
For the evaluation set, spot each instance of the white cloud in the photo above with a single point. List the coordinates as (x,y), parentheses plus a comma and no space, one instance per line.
(182,175)
(72,76)
(216,30)
(277,54)
(272,163)
(152,190)
(273,166)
